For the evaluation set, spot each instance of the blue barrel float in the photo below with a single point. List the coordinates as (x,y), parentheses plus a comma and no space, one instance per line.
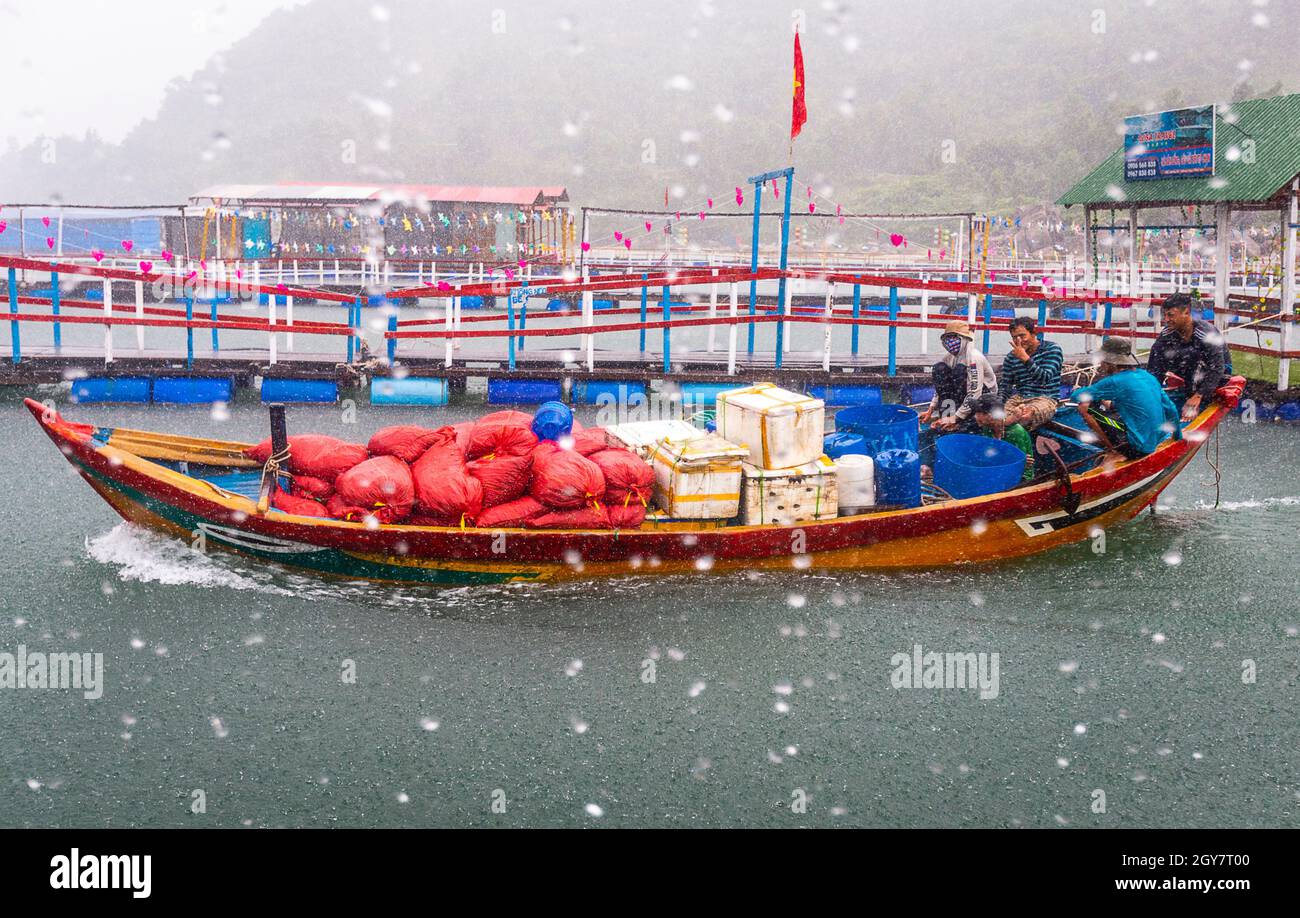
(898,478)
(552,421)
(968,465)
(882,426)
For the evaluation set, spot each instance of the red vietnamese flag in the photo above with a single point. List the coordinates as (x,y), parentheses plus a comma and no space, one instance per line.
(800,113)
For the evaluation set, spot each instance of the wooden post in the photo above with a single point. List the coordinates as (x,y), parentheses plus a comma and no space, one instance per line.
(139,314)
(732,331)
(108,329)
(1222,263)
(1287,304)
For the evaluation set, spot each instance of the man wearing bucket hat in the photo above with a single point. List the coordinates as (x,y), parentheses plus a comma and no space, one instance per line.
(1140,415)
(963,375)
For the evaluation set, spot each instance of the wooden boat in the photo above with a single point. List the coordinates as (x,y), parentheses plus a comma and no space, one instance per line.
(198,488)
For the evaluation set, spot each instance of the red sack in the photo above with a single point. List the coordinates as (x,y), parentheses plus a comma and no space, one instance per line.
(563,479)
(300,506)
(629,517)
(591,440)
(405,441)
(628,478)
(463,430)
(584,518)
(510,416)
(315,488)
(512,515)
(443,489)
(504,478)
(383,485)
(314,454)
(499,440)
(340,509)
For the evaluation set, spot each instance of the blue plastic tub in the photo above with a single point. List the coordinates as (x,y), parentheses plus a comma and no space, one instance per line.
(842,443)
(412,390)
(847,395)
(192,390)
(523,391)
(898,478)
(606,391)
(322,391)
(883,426)
(968,465)
(552,421)
(111,389)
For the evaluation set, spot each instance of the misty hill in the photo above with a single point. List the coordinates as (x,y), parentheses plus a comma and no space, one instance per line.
(622,99)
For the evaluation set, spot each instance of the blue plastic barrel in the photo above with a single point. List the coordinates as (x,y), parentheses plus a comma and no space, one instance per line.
(968,465)
(503,391)
(410,390)
(844,442)
(898,478)
(552,421)
(847,395)
(883,426)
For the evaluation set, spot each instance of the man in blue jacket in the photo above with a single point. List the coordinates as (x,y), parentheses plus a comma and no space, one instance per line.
(1126,408)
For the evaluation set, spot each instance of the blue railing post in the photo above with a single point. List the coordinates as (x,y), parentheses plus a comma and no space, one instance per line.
(510,323)
(13,309)
(753,265)
(392,342)
(1105,319)
(988,320)
(189,333)
(857,311)
(352,342)
(523,320)
(216,345)
(668,341)
(893,331)
(1042,317)
(645,295)
(54,305)
(780,287)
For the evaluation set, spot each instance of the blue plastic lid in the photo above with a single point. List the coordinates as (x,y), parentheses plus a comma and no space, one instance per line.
(553,421)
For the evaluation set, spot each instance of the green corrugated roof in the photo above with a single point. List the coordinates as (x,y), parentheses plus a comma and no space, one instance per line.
(1274,125)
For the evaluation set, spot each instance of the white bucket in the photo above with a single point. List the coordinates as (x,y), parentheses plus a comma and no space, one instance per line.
(857,483)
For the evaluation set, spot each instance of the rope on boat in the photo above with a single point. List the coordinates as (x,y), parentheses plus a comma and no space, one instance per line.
(272,469)
(1214,464)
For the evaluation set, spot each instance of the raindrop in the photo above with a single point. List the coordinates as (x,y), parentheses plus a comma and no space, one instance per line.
(697,689)
(1080,729)
(681,83)
(574,667)
(594,811)
(429,725)
(219,728)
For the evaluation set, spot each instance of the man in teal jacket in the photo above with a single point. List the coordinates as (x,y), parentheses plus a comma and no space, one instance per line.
(1140,415)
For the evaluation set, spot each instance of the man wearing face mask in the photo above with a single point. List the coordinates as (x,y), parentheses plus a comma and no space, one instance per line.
(962,376)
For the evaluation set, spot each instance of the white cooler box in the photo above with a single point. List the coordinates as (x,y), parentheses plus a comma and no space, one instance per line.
(785,496)
(781,429)
(698,478)
(641,436)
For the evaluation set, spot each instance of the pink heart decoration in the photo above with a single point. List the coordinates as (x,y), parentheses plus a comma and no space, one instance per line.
(647,226)
(127,244)
(895,240)
(618,237)
(281,288)
(740,196)
(192,275)
(510,275)
(586,246)
(701,215)
(812,207)
(45,221)
(776,190)
(49,241)
(841,221)
(97,255)
(239,273)
(522,263)
(443,285)
(628,243)
(3,226)
(710,203)
(146,267)
(203,265)
(167,256)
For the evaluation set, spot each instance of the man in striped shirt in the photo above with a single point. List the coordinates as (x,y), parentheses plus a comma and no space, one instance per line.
(1030,381)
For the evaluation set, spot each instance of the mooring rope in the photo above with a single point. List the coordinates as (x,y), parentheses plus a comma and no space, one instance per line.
(1214,464)
(272,467)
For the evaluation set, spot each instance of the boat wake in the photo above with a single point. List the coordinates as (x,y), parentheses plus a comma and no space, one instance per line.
(1268,503)
(148,557)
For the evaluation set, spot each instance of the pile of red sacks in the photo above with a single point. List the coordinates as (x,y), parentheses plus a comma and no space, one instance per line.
(490,473)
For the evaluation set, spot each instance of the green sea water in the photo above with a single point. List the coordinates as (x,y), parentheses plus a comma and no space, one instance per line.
(1152,684)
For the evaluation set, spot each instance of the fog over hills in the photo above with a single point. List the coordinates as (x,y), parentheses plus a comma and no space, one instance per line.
(621,99)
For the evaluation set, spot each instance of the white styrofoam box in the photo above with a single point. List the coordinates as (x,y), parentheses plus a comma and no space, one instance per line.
(640,436)
(698,478)
(781,429)
(787,496)
(857,482)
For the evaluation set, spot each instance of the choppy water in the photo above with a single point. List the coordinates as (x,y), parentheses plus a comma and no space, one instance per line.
(1120,672)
